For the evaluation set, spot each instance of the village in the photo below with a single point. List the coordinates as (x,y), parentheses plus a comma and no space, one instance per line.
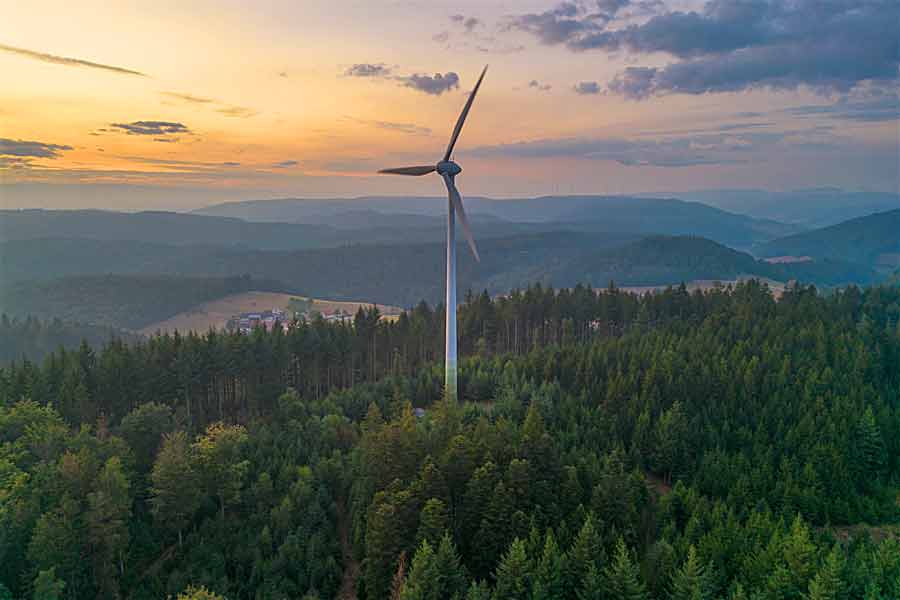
(246,322)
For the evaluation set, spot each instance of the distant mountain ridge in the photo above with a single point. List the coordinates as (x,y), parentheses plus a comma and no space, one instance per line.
(861,240)
(404,274)
(609,213)
(810,208)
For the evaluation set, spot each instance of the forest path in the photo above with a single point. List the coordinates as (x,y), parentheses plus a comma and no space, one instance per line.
(347,591)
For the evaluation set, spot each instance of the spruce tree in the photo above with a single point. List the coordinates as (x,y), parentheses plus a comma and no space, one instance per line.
(513,577)
(622,578)
(692,581)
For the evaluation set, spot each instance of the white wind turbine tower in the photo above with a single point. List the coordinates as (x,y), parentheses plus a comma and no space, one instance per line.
(448,169)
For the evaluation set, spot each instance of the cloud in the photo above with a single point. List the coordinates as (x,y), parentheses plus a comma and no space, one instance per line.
(368,70)
(874,106)
(634,82)
(151,128)
(237,111)
(441,37)
(587,88)
(671,151)
(467,23)
(560,24)
(408,128)
(231,164)
(537,85)
(435,84)
(22,148)
(285,164)
(188,98)
(735,45)
(70,62)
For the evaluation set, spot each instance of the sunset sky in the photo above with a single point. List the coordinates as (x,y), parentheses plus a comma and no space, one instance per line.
(201,101)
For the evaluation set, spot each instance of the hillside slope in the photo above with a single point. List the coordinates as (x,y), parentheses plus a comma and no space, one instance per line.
(862,240)
(403,274)
(120,301)
(607,213)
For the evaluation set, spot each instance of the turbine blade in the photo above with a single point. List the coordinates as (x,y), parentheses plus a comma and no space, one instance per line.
(462,116)
(456,200)
(415,171)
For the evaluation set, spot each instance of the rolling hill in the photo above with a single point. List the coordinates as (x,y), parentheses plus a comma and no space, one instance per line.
(120,301)
(584,213)
(387,274)
(811,208)
(873,240)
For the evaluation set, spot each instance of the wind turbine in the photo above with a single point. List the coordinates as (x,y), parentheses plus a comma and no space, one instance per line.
(448,170)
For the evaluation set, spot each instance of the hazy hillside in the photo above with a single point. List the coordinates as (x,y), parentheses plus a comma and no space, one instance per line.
(34,339)
(608,213)
(862,240)
(388,274)
(127,302)
(809,208)
(159,227)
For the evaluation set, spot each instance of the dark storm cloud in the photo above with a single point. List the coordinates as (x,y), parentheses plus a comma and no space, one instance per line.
(23,148)
(284,164)
(368,70)
(151,127)
(67,61)
(734,45)
(435,84)
(587,88)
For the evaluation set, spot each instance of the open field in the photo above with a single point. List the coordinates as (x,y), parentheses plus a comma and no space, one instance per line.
(215,314)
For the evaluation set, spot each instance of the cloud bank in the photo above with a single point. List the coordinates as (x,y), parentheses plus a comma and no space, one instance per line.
(734,45)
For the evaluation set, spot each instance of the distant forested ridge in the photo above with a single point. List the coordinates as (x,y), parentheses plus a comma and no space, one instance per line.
(34,338)
(404,274)
(673,445)
(122,301)
(862,240)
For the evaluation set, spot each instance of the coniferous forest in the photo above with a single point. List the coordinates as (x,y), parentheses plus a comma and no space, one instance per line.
(707,445)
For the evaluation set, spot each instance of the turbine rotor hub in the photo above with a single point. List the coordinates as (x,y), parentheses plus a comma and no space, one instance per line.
(448,167)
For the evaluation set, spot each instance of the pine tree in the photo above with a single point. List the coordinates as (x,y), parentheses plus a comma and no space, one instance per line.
(433,521)
(478,591)
(47,586)
(453,573)
(549,573)
(869,450)
(586,552)
(622,578)
(692,581)
(828,583)
(591,585)
(424,579)
(513,577)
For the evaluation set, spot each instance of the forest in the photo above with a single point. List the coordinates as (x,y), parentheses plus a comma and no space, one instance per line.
(119,301)
(706,445)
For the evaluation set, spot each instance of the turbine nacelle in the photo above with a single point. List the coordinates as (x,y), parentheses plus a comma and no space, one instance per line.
(448,168)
